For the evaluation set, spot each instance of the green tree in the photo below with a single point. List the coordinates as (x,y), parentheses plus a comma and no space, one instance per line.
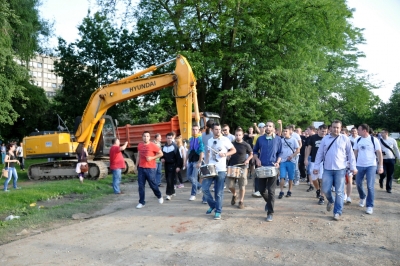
(387,114)
(20,27)
(257,60)
(102,55)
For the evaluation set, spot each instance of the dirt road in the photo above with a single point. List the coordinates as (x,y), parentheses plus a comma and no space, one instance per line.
(179,232)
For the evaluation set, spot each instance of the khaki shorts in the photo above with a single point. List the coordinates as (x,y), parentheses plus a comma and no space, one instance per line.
(242,182)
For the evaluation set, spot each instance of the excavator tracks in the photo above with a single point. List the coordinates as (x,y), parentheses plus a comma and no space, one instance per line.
(130,166)
(61,170)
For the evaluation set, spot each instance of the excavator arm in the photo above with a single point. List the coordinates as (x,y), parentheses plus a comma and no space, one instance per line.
(184,87)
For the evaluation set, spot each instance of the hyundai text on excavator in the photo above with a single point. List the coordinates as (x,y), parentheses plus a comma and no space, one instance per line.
(96,130)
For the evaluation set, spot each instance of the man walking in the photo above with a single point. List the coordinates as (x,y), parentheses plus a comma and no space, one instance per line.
(219,147)
(195,157)
(390,152)
(20,155)
(334,152)
(311,150)
(148,152)
(365,149)
(117,163)
(266,153)
(171,159)
(261,129)
(243,150)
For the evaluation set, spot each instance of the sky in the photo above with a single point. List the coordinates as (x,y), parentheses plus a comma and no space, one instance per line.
(380,20)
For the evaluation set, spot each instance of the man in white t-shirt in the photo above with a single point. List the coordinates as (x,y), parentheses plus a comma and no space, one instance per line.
(298,138)
(219,147)
(365,149)
(353,135)
(20,155)
(390,152)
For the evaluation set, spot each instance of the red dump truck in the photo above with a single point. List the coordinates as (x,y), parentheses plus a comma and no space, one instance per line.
(133,134)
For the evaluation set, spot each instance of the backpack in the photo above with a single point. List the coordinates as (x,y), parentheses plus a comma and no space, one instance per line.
(372,139)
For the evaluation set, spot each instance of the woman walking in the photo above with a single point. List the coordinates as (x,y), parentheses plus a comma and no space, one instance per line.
(82,154)
(10,160)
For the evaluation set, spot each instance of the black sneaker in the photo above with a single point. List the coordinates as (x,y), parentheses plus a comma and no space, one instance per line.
(281,195)
(321,200)
(311,188)
(318,193)
(289,194)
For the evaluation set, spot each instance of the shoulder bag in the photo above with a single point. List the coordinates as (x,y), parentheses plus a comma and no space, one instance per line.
(387,146)
(4,172)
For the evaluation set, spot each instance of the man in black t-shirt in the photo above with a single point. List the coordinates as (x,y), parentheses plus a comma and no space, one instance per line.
(243,155)
(312,149)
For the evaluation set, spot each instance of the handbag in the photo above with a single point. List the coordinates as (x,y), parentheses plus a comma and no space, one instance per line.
(84,168)
(4,172)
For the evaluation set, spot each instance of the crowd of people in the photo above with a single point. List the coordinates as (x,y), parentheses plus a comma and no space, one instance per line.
(327,158)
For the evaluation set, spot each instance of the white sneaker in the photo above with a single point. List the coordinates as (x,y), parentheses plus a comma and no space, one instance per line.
(204,202)
(192,198)
(345,198)
(256,194)
(369,210)
(224,186)
(286,184)
(199,191)
(348,200)
(161,200)
(139,206)
(168,197)
(362,202)
(212,189)
(174,194)
(336,216)
(333,189)
(296,183)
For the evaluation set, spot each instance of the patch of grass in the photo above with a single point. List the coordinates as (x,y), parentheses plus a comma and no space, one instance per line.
(87,197)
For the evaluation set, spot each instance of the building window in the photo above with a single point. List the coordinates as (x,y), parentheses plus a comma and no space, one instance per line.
(34,74)
(39,74)
(39,65)
(45,66)
(54,85)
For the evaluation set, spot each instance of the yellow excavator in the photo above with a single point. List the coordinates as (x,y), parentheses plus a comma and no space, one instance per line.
(95,130)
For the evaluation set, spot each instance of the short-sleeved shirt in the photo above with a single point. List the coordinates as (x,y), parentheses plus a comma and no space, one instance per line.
(145,150)
(314,141)
(366,153)
(221,144)
(289,146)
(116,158)
(242,149)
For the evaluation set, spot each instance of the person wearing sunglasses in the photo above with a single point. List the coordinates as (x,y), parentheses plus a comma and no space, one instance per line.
(219,148)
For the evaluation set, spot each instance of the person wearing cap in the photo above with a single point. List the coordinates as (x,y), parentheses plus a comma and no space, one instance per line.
(261,129)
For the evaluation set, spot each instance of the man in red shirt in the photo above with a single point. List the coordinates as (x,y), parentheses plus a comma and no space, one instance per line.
(117,163)
(148,152)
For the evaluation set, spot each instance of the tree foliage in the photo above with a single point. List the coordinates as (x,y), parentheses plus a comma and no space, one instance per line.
(102,55)
(20,27)
(387,114)
(261,59)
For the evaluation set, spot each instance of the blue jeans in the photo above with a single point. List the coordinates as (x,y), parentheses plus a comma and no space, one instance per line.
(3,156)
(158,173)
(192,172)
(12,172)
(287,168)
(116,175)
(336,177)
(148,174)
(370,172)
(219,182)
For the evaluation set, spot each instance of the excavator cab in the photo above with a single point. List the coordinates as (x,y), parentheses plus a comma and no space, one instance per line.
(107,135)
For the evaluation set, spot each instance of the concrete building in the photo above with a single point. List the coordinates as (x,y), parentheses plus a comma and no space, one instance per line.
(41,70)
